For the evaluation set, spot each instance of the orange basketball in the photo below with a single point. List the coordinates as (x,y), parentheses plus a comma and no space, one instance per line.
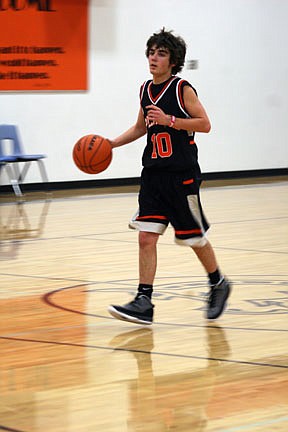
(92,154)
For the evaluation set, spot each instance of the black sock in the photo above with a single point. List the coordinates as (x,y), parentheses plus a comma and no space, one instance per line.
(215,277)
(144,289)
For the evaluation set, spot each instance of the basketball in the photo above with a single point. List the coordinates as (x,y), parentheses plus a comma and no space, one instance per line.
(92,154)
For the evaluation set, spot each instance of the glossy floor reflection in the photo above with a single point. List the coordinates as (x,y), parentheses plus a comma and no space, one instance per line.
(67,365)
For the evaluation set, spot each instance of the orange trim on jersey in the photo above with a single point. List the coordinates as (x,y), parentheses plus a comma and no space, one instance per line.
(151,217)
(188,181)
(194,231)
(180,94)
(141,90)
(192,142)
(161,92)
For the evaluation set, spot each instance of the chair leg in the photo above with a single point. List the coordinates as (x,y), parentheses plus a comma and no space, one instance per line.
(22,174)
(43,174)
(43,171)
(14,182)
(17,176)
(26,167)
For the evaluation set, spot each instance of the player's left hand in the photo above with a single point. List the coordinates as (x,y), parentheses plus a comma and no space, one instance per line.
(156,115)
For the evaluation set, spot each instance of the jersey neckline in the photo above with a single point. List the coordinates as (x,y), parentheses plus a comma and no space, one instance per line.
(159,88)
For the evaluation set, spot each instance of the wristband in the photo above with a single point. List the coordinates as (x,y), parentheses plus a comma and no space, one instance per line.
(172,121)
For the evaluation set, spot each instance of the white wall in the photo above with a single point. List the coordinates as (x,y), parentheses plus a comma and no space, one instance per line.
(242,80)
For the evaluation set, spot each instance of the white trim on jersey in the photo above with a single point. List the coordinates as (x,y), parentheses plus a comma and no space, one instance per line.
(162,93)
(177,96)
(143,89)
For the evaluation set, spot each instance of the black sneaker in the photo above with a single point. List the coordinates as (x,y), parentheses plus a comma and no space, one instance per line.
(139,311)
(217,299)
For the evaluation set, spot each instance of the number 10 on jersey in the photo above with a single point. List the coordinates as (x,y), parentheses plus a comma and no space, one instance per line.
(162,145)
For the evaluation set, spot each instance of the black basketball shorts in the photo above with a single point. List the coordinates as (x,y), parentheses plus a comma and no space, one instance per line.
(171,198)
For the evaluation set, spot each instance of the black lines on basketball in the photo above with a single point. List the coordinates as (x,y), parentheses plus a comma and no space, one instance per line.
(92,154)
(99,143)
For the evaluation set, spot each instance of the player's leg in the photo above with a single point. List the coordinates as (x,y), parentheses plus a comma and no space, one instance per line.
(190,227)
(207,257)
(150,222)
(140,310)
(147,257)
(219,286)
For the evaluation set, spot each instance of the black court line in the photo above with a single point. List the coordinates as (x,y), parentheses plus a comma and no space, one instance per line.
(204,189)
(155,353)
(133,279)
(162,243)
(251,250)
(264,219)
(4,428)
(47,299)
(172,244)
(131,282)
(249,220)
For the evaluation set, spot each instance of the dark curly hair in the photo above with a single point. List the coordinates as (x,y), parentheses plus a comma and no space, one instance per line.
(175,45)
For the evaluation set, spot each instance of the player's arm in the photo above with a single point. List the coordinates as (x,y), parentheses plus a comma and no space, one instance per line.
(133,133)
(199,121)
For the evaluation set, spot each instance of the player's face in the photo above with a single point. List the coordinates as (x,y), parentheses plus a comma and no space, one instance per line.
(159,62)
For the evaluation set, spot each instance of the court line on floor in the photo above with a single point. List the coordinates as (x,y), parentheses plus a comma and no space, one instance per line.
(4,428)
(205,188)
(128,283)
(47,298)
(253,425)
(154,353)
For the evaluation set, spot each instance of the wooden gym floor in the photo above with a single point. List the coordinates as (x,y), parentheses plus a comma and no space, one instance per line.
(67,365)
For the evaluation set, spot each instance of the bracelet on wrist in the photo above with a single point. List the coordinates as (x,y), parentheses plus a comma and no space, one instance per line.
(172,121)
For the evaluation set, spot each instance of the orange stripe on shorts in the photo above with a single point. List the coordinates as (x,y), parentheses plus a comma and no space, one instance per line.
(194,231)
(188,181)
(151,217)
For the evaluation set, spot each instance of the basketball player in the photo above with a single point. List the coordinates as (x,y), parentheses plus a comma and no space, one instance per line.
(170,114)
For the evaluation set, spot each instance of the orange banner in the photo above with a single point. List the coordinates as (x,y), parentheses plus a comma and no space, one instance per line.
(43,44)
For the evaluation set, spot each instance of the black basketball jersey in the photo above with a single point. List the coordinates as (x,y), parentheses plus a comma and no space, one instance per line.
(168,149)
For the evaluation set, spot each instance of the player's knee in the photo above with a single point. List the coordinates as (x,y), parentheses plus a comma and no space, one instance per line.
(147,239)
(195,242)
(200,242)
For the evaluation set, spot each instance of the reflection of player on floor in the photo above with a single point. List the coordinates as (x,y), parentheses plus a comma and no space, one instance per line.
(170,402)
(170,114)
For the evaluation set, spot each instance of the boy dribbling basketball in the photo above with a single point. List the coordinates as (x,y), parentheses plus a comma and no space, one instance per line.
(170,114)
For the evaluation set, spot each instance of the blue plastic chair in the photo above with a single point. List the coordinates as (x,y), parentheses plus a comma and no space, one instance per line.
(16,155)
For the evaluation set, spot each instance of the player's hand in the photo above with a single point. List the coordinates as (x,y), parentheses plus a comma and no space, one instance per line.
(112,143)
(156,115)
